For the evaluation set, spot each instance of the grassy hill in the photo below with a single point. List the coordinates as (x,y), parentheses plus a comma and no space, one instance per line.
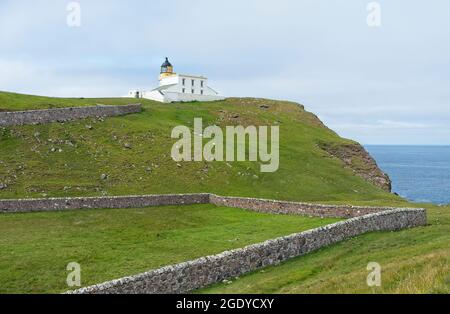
(68,159)
(19,102)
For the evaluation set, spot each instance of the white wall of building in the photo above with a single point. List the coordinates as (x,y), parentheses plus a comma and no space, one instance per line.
(154,95)
(179,88)
(173,79)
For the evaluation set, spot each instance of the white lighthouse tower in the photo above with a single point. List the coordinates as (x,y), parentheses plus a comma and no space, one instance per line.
(178,87)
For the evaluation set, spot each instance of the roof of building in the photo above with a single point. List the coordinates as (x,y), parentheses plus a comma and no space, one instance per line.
(193,76)
(166,63)
(163,87)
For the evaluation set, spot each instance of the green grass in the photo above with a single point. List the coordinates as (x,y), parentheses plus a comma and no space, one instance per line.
(35,248)
(67,159)
(18,102)
(413,261)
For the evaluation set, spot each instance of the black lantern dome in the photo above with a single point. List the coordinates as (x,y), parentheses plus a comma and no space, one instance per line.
(166,67)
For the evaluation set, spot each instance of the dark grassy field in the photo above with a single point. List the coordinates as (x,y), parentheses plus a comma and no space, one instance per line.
(35,248)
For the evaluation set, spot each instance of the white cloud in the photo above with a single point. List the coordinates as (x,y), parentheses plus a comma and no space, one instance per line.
(383,125)
(374,85)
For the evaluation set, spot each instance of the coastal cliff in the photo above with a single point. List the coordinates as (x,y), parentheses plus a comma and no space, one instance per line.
(356,158)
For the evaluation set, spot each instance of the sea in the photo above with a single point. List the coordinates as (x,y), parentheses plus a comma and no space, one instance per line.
(418,173)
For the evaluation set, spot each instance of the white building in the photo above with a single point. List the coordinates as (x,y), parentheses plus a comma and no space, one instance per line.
(178,87)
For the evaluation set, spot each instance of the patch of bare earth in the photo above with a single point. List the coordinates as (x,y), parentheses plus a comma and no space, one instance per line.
(356,158)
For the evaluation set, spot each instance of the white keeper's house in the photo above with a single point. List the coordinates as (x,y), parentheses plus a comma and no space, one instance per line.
(178,87)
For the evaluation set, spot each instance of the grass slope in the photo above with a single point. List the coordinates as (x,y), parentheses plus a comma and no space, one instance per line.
(412,261)
(108,244)
(68,159)
(18,102)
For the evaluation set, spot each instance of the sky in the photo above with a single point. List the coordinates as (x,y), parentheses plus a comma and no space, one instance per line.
(385,84)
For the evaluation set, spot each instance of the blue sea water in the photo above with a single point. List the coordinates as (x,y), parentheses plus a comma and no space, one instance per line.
(418,173)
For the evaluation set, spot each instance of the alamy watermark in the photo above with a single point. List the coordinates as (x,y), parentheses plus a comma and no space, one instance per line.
(74,277)
(374,16)
(236,144)
(73,9)
(374,277)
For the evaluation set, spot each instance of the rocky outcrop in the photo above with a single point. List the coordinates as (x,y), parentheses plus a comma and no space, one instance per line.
(356,158)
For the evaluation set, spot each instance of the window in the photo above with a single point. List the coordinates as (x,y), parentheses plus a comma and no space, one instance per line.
(184,90)
(183,82)
(201,83)
(193,91)
(201,92)
(193,81)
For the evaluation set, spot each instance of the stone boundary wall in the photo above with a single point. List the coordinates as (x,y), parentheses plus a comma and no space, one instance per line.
(204,271)
(188,276)
(54,204)
(12,118)
(295,208)
(137,201)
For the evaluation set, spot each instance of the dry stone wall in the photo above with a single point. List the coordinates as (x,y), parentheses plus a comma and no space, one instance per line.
(188,276)
(53,204)
(254,204)
(64,114)
(204,271)
(294,208)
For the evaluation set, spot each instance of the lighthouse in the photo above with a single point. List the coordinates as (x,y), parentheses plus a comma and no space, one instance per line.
(166,70)
(175,87)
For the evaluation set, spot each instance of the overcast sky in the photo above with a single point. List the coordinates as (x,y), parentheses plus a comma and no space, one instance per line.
(378,85)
